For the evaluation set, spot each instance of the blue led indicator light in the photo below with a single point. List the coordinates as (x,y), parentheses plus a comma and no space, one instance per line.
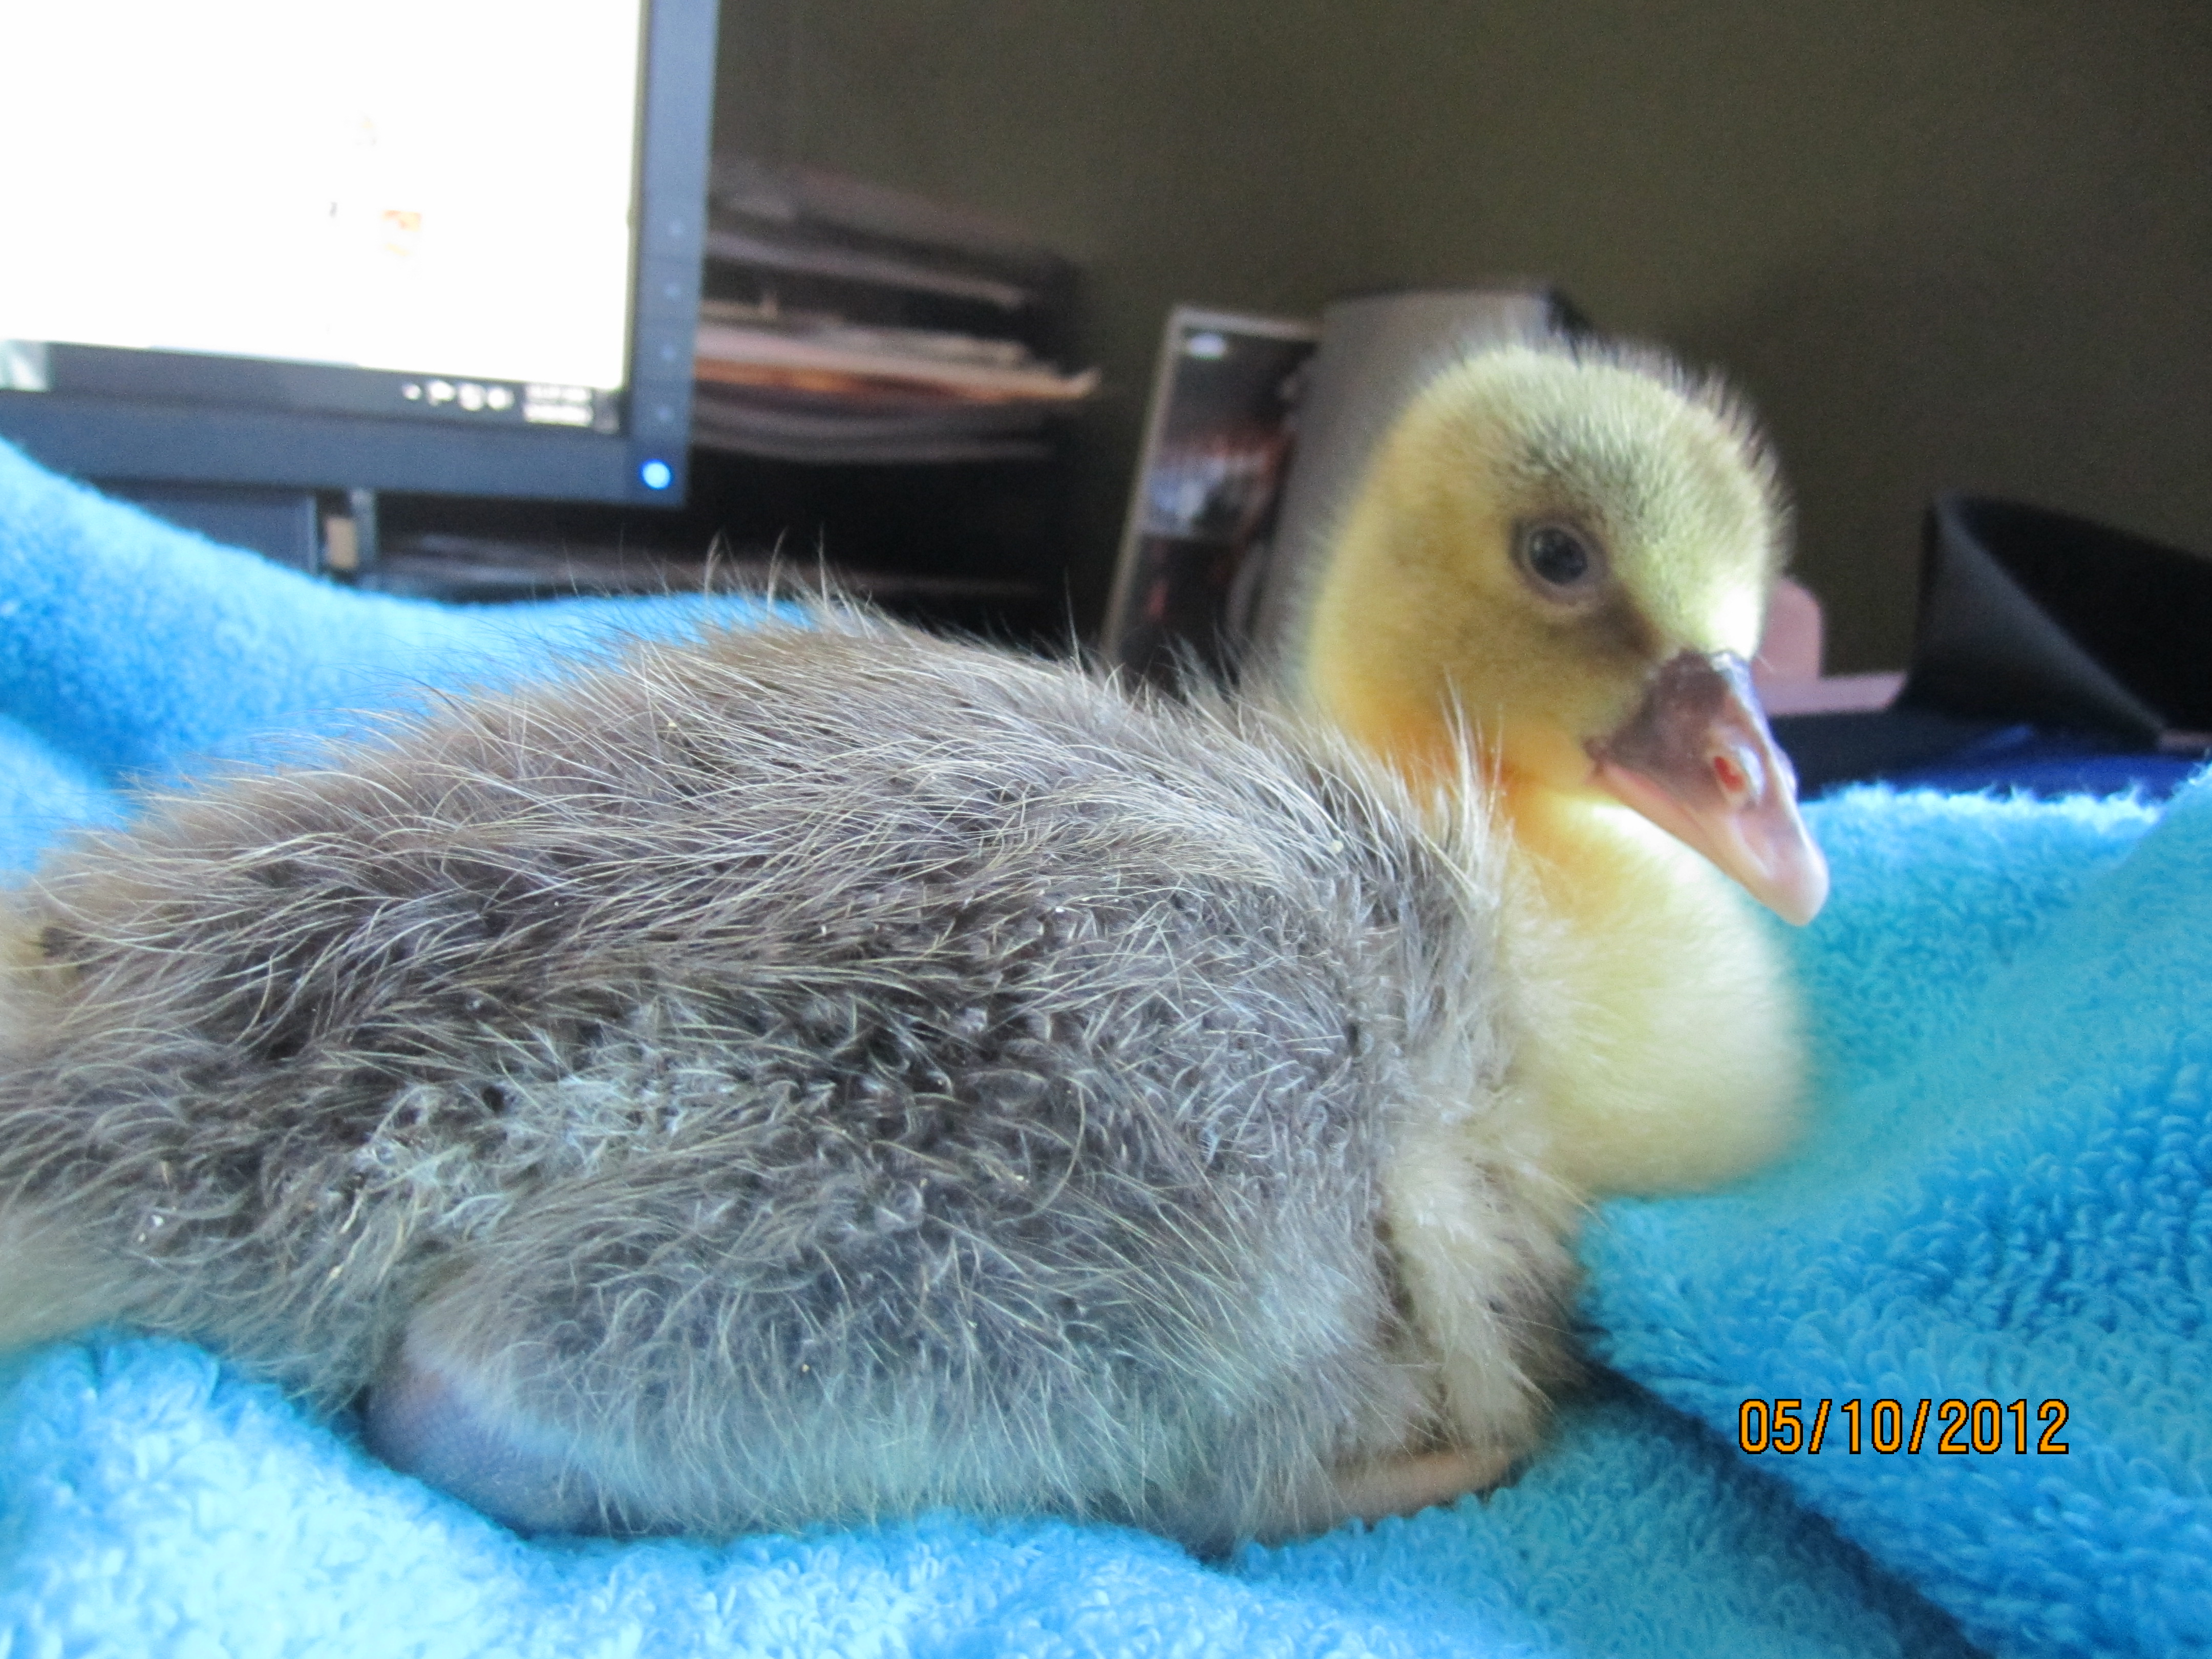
(657,475)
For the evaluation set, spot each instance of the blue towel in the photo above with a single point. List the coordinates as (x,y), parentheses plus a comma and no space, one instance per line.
(2003,1199)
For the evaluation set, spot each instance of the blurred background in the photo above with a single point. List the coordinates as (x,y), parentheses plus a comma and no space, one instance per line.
(1940,243)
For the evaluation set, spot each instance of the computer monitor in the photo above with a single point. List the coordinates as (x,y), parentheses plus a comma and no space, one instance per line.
(439,246)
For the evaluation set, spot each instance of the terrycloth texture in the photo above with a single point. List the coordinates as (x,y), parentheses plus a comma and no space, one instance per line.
(2003,1198)
(2006,1199)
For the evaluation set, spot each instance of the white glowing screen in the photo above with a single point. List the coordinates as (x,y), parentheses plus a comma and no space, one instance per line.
(438,185)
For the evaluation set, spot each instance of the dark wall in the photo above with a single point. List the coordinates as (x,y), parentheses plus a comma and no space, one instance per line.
(1941,243)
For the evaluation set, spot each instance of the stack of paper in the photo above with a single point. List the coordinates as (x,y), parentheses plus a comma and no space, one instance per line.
(850,323)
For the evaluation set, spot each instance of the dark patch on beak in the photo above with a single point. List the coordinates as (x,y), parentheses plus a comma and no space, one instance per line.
(1698,760)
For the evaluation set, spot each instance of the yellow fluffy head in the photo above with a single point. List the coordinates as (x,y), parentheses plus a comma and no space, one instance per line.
(1543,526)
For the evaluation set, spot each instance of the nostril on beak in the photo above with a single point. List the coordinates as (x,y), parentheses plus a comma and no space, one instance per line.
(1738,775)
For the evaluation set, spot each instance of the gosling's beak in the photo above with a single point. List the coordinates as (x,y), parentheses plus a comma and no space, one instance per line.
(1698,760)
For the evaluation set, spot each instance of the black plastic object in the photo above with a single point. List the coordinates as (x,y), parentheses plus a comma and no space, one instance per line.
(2028,615)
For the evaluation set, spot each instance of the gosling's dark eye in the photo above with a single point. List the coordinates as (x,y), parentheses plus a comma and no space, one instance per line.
(1559,557)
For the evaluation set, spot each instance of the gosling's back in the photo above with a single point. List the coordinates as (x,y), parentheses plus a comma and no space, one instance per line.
(811,1074)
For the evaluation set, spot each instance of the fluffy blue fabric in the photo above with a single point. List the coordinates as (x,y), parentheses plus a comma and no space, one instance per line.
(2004,1199)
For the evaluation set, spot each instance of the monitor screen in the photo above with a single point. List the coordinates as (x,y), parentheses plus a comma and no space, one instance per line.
(436,245)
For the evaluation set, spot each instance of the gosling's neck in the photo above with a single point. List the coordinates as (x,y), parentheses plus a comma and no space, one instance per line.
(1658,1036)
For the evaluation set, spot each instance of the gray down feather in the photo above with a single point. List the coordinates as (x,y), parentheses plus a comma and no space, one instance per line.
(805,1073)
